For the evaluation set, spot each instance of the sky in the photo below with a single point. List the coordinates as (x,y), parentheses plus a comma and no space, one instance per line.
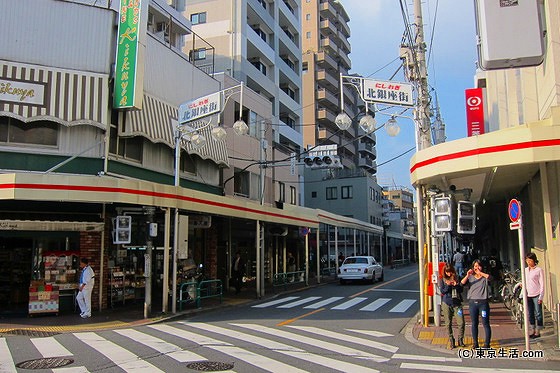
(377,27)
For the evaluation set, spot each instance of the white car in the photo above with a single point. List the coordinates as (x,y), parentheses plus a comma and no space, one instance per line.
(360,268)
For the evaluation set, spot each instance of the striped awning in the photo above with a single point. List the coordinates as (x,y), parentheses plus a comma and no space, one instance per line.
(68,97)
(156,122)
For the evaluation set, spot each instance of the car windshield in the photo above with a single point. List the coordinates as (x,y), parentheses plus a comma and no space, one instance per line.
(356,261)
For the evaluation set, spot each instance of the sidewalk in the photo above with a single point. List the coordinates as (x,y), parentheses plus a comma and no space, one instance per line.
(505,332)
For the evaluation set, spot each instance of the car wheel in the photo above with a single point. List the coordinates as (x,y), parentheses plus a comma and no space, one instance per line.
(381,278)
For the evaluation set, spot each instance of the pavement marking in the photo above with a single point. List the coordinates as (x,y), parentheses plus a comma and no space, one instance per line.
(50,347)
(397,290)
(463,369)
(323,302)
(378,286)
(299,302)
(348,304)
(403,305)
(274,302)
(289,321)
(80,369)
(123,358)
(7,364)
(375,304)
(426,335)
(329,363)
(185,334)
(373,333)
(259,361)
(347,338)
(333,347)
(173,351)
(426,358)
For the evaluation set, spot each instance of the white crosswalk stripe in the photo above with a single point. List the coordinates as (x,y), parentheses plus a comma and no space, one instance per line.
(329,346)
(294,301)
(7,364)
(123,358)
(173,351)
(49,347)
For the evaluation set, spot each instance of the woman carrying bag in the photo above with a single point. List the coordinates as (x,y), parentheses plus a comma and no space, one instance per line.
(451,304)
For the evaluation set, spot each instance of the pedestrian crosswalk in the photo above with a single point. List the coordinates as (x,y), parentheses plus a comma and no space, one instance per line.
(340,303)
(241,346)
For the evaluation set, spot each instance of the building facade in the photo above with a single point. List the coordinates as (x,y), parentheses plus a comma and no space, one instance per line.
(518,158)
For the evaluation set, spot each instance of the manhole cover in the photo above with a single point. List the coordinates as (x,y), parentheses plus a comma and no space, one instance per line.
(46,363)
(30,333)
(210,366)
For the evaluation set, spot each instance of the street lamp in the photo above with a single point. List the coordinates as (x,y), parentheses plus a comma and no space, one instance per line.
(191,111)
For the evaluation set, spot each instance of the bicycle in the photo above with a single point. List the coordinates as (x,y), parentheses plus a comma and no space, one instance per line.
(510,280)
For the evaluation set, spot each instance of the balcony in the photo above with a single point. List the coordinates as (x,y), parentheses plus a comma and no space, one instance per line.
(326,78)
(329,28)
(367,163)
(344,28)
(367,148)
(327,10)
(345,60)
(326,61)
(329,45)
(327,99)
(325,115)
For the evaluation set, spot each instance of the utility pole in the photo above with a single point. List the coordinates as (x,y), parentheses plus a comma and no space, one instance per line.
(419,76)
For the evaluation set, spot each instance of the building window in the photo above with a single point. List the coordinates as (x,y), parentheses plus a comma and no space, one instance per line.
(242,183)
(304,67)
(263,3)
(332,193)
(313,194)
(260,66)
(198,54)
(261,33)
(198,18)
(281,192)
(308,17)
(308,35)
(13,131)
(293,195)
(131,148)
(346,192)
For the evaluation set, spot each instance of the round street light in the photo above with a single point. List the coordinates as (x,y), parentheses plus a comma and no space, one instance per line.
(197,140)
(367,123)
(343,121)
(392,127)
(219,133)
(240,127)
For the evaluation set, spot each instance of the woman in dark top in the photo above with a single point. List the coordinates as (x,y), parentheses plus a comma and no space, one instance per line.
(478,301)
(451,304)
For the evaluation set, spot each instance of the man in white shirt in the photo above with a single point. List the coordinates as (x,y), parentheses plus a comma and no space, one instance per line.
(85,288)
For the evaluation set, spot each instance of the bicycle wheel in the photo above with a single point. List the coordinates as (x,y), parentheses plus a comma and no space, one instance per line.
(507,296)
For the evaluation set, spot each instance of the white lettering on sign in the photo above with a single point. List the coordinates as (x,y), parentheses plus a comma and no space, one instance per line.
(387,92)
(21,92)
(199,108)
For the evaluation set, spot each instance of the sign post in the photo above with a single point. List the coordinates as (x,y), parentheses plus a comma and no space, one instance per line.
(514,212)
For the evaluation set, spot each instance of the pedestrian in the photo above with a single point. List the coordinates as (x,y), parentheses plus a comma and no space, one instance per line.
(291,261)
(478,301)
(237,272)
(85,288)
(495,269)
(458,259)
(534,277)
(451,304)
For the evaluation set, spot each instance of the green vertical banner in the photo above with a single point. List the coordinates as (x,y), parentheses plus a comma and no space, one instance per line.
(129,66)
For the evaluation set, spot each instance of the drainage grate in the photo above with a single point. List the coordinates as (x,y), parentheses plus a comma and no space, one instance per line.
(30,333)
(46,363)
(210,366)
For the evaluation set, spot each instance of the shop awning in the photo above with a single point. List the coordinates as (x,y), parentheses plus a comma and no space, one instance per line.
(46,225)
(107,189)
(340,221)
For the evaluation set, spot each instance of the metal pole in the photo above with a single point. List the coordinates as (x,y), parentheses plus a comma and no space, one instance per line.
(165,298)
(176,223)
(524,282)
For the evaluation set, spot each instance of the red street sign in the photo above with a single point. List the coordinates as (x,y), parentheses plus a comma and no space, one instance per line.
(514,226)
(514,210)
(475,112)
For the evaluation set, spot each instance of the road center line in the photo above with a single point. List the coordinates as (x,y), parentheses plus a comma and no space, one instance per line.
(383,284)
(289,321)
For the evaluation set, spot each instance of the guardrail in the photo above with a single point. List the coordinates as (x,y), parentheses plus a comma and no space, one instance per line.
(400,263)
(287,278)
(194,292)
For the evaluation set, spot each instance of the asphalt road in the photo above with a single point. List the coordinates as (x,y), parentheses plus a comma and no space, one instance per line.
(330,328)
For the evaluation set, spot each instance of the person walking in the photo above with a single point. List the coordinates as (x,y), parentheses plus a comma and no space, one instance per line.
(458,260)
(451,304)
(478,301)
(237,272)
(85,288)
(535,293)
